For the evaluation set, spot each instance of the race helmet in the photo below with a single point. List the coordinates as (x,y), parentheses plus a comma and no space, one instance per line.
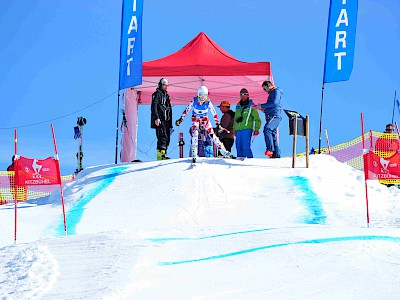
(202,94)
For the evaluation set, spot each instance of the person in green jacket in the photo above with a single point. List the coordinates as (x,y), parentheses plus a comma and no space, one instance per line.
(247,123)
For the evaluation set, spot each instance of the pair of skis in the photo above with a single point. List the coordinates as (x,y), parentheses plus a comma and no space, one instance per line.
(194,160)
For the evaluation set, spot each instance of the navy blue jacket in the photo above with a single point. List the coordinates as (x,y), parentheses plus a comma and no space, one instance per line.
(273,107)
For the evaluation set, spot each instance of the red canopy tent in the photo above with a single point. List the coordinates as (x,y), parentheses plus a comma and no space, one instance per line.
(203,62)
(200,62)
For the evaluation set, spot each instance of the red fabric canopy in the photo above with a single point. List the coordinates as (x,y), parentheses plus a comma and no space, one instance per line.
(203,62)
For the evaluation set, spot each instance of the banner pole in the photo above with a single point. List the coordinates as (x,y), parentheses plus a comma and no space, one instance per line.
(116,136)
(15,184)
(394,105)
(59,179)
(119,80)
(320,119)
(307,141)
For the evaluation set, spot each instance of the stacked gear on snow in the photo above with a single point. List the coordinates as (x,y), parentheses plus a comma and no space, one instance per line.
(78,136)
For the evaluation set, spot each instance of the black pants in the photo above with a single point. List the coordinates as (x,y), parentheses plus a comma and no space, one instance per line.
(163,137)
(228,143)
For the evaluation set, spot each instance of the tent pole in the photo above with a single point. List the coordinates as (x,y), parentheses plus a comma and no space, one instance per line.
(116,137)
(320,119)
(394,105)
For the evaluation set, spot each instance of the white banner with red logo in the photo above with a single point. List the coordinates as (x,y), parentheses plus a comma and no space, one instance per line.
(29,171)
(382,168)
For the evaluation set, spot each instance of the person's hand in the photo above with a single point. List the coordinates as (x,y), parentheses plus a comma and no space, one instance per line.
(220,129)
(157,122)
(179,121)
(256,132)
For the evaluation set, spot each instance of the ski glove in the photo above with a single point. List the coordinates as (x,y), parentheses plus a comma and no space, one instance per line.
(179,121)
(256,132)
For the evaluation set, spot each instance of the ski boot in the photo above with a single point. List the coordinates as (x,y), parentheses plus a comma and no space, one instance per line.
(225,154)
(161,154)
(193,149)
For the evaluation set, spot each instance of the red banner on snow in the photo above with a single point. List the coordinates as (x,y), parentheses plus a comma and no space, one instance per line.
(31,171)
(382,168)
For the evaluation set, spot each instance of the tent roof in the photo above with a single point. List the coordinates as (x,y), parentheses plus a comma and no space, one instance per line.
(203,62)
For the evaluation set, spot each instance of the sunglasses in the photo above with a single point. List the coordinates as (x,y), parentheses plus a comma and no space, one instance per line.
(244,94)
(389,129)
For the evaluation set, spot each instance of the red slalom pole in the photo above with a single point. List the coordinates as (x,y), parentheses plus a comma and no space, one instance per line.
(365,158)
(15,184)
(59,179)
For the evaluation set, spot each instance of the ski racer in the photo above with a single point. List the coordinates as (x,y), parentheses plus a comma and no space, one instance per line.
(201,104)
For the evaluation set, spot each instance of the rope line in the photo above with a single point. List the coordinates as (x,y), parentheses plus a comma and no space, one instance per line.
(61,117)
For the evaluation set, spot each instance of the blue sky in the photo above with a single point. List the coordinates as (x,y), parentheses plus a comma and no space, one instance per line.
(59,57)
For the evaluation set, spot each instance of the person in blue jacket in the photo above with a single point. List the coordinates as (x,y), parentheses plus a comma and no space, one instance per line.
(272,110)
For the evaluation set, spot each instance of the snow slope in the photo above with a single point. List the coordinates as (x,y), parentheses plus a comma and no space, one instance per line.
(224,229)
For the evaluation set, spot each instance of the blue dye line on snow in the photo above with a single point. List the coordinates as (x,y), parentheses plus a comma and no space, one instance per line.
(160,240)
(310,200)
(313,241)
(74,215)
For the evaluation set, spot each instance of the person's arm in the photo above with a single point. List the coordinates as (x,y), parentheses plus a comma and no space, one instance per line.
(237,115)
(273,100)
(227,122)
(154,104)
(257,120)
(184,114)
(213,112)
(231,116)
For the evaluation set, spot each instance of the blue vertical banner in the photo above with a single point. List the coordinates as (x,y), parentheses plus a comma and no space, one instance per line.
(340,40)
(130,65)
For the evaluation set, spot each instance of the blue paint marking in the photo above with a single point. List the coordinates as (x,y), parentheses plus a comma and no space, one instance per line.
(310,200)
(74,215)
(160,240)
(314,241)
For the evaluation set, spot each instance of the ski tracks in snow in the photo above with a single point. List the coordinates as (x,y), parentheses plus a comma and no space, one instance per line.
(29,272)
(73,267)
(205,195)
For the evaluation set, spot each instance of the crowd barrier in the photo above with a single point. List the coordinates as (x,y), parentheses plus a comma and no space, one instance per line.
(351,152)
(25,192)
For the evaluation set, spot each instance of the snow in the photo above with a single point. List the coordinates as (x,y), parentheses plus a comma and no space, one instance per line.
(223,229)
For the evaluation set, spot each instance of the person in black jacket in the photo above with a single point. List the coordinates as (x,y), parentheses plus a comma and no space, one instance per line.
(161,118)
(225,131)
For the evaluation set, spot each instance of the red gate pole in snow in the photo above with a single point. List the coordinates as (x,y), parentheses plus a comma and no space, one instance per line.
(15,184)
(59,178)
(365,158)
